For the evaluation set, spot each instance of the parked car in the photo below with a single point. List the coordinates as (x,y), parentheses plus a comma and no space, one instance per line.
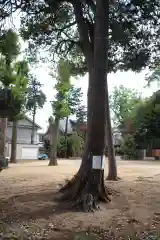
(43,156)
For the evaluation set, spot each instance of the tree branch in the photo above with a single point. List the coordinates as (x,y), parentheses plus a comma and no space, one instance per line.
(61,30)
(91,4)
(83,31)
(7,7)
(68,42)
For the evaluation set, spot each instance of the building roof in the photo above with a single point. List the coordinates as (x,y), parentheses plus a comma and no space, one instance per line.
(30,120)
(62,126)
(25,118)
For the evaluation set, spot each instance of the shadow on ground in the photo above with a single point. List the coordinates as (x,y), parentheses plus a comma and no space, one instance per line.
(32,206)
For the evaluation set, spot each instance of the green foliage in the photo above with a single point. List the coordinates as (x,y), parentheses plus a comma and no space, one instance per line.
(147,119)
(128,146)
(153,77)
(72,145)
(9,105)
(81,114)
(122,103)
(62,147)
(13,75)
(55,25)
(60,105)
(75,144)
(9,45)
(74,99)
(35,96)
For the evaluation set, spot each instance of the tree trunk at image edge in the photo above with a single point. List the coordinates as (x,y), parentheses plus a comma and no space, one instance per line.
(3,127)
(54,142)
(88,183)
(33,125)
(14,142)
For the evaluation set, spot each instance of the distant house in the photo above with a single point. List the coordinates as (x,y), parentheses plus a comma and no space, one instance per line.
(25,150)
(117,137)
(62,127)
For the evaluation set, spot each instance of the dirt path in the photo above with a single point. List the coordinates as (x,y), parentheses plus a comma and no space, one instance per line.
(28,209)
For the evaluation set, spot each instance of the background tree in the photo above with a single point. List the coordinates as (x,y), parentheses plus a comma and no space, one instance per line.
(60,106)
(81,114)
(146,120)
(143,129)
(35,100)
(130,44)
(122,102)
(21,71)
(153,77)
(74,101)
(11,82)
(81,121)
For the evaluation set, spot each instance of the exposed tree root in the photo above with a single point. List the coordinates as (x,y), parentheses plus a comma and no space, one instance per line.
(111,177)
(51,163)
(70,183)
(85,190)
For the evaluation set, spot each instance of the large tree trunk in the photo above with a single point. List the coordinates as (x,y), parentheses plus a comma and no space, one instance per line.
(3,127)
(87,187)
(54,142)
(33,125)
(14,142)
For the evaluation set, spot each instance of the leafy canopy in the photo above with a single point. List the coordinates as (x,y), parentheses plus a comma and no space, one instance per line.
(60,104)
(74,99)
(122,102)
(66,27)
(35,96)
(13,75)
(154,76)
(146,119)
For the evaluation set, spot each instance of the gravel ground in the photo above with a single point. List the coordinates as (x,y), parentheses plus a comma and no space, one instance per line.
(28,209)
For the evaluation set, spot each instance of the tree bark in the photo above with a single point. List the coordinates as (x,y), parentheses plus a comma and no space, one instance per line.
(54,142)
(3,127)
(14,142)
(65,135)
(112,166)
(33,125)
(87,187)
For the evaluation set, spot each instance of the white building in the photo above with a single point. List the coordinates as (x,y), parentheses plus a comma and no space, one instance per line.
(25,150)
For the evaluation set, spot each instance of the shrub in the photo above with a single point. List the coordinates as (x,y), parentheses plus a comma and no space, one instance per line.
(128,146)
(72,146)
(75,145)
(62,147)
(130,150)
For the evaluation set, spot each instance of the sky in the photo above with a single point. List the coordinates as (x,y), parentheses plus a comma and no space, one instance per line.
(127,79)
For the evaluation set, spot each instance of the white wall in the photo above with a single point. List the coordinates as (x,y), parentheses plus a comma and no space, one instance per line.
(19,150)
(23,135)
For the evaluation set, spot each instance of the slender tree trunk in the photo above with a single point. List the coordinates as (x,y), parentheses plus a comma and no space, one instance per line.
(33,125)
(65,135)
(3,127)
(54,142)
(88,183)
(112,166)
(14,142)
